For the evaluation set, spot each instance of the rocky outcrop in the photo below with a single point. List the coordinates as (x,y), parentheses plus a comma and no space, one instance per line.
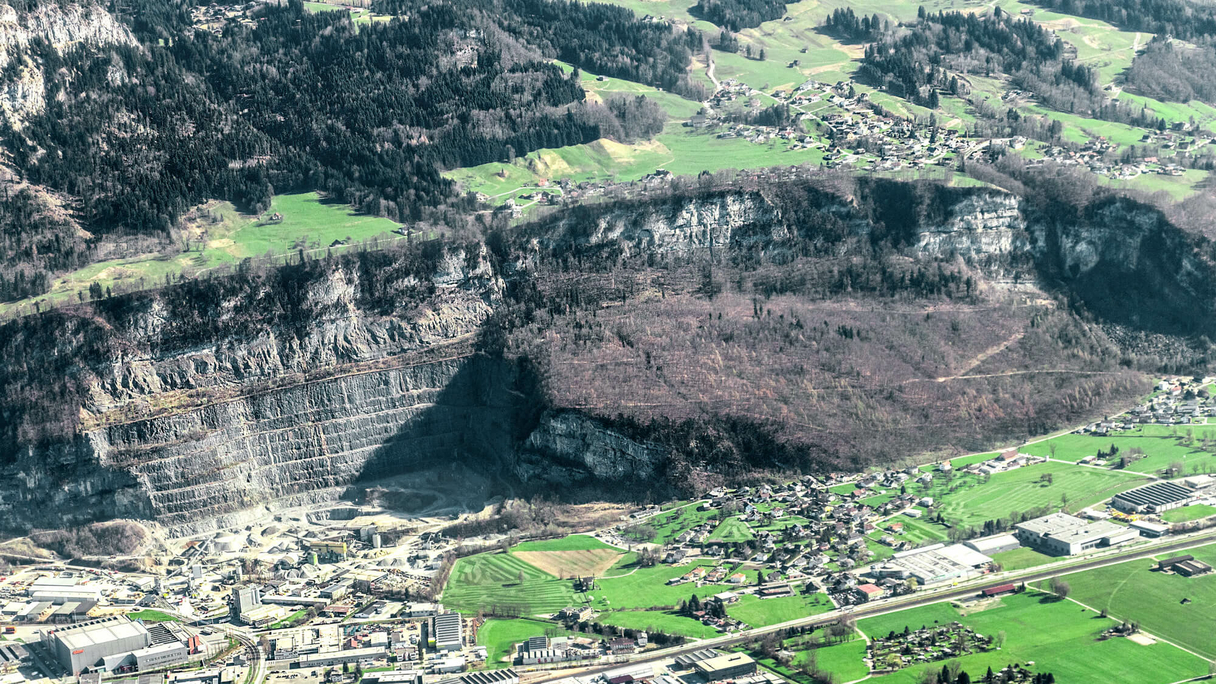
(705,224)
(984,224)
(61,26)
(568,447)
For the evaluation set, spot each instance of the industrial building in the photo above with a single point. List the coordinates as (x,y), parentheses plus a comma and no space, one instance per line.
(97,644)
(505,676)
(725,666)
(1065,535)
(350,655)
(246,598)
(933,564)
(994,544)
(447,630)
(1153,498)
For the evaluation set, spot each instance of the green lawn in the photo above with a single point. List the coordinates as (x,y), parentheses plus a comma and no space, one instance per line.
(732,530)
(148,615)
(647,588)
(500,636)
(668,622)
(1058,636)
(845,661)
(763,612)
(1019,559)
(966,500)
(494,579)
(919,531)
(574,542)
(1133,591)
(1188,513)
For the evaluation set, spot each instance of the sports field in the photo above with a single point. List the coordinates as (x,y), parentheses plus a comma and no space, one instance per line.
(1058,636)
(732,530)
(965,500)
(763,612)
(1134,591)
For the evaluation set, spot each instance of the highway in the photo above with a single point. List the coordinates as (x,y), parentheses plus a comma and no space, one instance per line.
(883,607)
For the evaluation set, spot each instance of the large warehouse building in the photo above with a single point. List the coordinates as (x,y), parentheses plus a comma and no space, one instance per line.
(1065,535)
(1153,498)
(88,645)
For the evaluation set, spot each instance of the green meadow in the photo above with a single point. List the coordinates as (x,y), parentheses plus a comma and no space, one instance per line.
(967,500)
(1171,606)
(757,612)
(1163,445)
(222,236)
(1057,636)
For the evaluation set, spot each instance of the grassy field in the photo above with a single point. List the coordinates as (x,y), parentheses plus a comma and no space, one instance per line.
(919,531)
(648,588)
(502,579)
(1019,559)
(1162,445)
(574,542)
(668,622)
(763,612)
(1188,513)
(845,661)
(223,236)
(500,636)
(148,615)
(732,530)
(965,500)
(1058,636)
(1133,591)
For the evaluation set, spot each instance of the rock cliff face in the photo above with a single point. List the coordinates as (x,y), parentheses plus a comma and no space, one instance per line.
(365,369)
(569,447)
(984,224)
(707,224)
(61,26)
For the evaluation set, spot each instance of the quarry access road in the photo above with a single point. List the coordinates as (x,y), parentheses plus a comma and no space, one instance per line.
(883,607)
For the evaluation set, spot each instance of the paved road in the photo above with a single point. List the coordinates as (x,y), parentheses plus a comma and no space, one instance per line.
(883,607)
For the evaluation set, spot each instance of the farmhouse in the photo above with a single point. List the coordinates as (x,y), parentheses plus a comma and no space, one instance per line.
(1186,566)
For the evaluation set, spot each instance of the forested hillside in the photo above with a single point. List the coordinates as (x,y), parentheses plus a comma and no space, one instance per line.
(928,56)
(310,101)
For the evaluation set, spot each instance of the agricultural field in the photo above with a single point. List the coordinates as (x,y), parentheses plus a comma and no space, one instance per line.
(573,542)
(965,500)
(218,235)
(1134,591)
(1058,636)
(500,636)
(918,531)
(758,612)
